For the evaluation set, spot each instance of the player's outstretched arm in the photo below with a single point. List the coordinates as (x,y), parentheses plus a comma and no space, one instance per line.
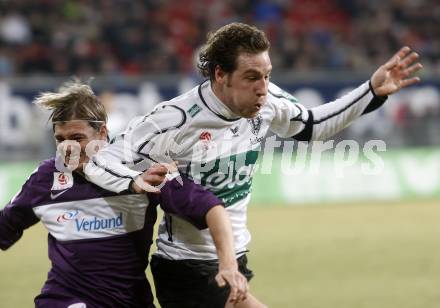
(396,73)
(221,231)
(18,214)
(324,121)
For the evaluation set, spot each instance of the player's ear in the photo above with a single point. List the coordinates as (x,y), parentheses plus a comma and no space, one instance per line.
(103,132)
(219,74)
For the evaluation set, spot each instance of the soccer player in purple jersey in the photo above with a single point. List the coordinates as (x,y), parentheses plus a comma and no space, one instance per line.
(98,240)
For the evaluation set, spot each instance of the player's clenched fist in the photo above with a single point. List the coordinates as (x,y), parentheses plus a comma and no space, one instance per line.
(236,281)
(150,179)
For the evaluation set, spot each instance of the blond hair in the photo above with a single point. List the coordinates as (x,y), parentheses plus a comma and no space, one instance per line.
(74,100)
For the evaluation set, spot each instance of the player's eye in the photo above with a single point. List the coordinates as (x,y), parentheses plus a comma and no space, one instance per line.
(78,138)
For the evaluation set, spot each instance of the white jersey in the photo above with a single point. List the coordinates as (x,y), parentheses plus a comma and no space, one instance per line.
(217,149)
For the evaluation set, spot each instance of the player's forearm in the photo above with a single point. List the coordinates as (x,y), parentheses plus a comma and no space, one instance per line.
(105,177)
(106,170)
(221,231)
(8,236)
(330,118)
(11,228)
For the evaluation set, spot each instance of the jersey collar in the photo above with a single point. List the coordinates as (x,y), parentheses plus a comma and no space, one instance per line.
(214,104)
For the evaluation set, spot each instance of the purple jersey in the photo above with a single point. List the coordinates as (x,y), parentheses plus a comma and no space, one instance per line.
(98,240)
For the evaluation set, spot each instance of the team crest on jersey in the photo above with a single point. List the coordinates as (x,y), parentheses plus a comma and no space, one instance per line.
(62,181)
(256,124)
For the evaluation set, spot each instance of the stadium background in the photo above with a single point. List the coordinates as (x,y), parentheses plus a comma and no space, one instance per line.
(333,238)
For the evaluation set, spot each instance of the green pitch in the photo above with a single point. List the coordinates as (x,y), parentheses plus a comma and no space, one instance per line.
(349,256)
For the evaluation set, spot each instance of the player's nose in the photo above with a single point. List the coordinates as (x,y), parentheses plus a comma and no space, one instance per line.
(261,87)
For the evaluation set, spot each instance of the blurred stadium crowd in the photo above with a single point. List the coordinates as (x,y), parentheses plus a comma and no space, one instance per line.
(159,36)
(142,52)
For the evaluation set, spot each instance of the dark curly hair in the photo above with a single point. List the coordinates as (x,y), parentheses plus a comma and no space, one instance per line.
(224,46)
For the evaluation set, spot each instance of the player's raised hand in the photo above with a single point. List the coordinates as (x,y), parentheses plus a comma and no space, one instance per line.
(236,281)
(396,73)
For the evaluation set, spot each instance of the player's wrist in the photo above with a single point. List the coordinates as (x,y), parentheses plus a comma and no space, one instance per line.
(133,187)
(373,91)
(228,264)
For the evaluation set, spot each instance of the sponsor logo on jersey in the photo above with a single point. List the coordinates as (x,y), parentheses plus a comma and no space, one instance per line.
(205,142)
(93,223)
(229,178)
(54,195)
(194,110)
(78,305)
(234,131)
(68,215)
(256,140)
(205,136)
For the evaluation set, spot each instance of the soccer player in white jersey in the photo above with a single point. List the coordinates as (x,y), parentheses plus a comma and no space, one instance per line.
(214,131)
(99,240)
